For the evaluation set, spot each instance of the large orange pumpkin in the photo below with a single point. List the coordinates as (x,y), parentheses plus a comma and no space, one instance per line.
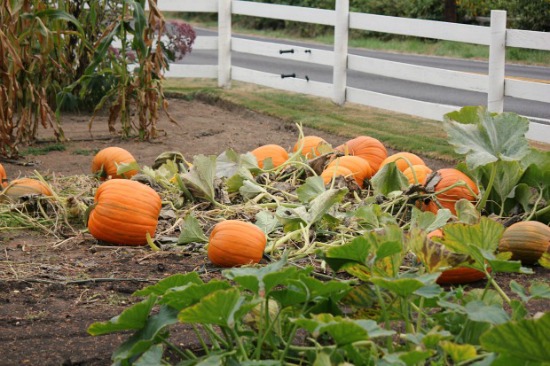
(235,243)
(421,173)
(335,171)
(359,167)
(312,146)
(457,275)
(25,186)
(367,148)
(124,212)
(106,162)
(447,199)
(277,154)
(403,160)
(3,177)
(527,240)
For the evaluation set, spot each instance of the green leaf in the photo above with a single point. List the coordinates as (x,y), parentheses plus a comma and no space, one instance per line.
(236,181)
(524,339)
(167,283)
(480,312)
(371,216)
(230,163)
(266,221)
(388,249)
(413,358)
(466,212)
(133,317)
(191,232)
(489,138)
(251,189)
(184,296)
(146,337)
(537,290)
(545,260)
(389,179)
(357,250)
(261,280)
(312,188)
(429,222)
(220,308)
(153,356)
(485,235)
(342,330)
(200,178)
(402,287)
(458,352)
(321,204)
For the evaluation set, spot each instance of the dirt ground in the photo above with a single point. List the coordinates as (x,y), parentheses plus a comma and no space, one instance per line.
(52,289)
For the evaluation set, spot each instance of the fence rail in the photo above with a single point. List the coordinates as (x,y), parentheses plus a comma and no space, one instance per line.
(494,83)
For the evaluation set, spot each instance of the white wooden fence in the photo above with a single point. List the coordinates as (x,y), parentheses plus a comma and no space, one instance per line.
(494,84)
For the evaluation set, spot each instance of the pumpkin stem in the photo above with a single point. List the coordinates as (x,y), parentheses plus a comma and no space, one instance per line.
(483,201)
(153,246)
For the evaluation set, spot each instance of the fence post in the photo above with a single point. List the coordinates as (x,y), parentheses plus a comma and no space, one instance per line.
(497,61)
(341,32)
(224,43)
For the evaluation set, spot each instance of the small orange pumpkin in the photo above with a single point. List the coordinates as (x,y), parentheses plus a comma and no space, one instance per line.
(124,212)
(277,154)
(3,177)
(458,275)
(403,160)
(420,171)
(335,171)
(106,162)
(366,147)
(359,167)
(447,199)
(312,146)
(235,243)
(24,186)
(527,240)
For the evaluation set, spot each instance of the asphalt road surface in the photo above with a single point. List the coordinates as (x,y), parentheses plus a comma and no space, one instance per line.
(536,111)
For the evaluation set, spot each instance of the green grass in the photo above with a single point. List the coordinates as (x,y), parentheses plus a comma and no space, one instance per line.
(396,131)
(43,150)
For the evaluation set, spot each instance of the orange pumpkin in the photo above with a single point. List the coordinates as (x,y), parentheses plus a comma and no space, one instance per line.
(458,275)
(106,162)
(312,146)
(124,212)
(3,177)
(25,186)
(403,160)
(277,154)
(447,199)
(335,171)
(527,240)
(420,171)
(367,148)
(235,243)
(359,167)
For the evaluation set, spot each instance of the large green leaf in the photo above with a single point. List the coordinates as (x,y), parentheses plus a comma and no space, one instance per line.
(489,138)
(167,283)
(524,339)
(134,317)
(321,204)
(484,235)
(312,187)
(458,352)
(400,286)
(200,178)
(357,250)
(184,296)
(230,163)
(262,279)
(221,308)
(146,337)
(191,232)
(342,330)
(371,216)
(389,179)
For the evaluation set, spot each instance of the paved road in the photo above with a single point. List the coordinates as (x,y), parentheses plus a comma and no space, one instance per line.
(413,90)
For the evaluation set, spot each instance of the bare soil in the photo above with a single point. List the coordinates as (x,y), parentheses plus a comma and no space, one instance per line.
(52,289)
